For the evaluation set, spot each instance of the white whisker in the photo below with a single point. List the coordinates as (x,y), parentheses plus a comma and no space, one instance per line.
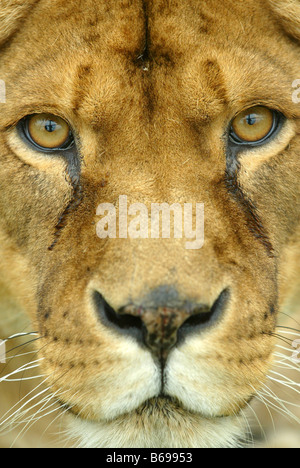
(24,405)
(282,409)
(274,407)
(22,399)
(285,363)
(284,382)
(39,414)
(288,332)
(274,395)
(24,379)
(9,358)
(23,368)
(283,347)
(20,335)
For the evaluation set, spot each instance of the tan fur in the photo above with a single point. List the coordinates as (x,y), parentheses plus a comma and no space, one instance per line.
(151,126)
(288,12)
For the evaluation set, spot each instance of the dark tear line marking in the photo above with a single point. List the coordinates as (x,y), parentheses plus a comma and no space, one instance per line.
(75,201)
(253,220)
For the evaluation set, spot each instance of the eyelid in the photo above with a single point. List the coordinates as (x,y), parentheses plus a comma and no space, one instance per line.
(22,127)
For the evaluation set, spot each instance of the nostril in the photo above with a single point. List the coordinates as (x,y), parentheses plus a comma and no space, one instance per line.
(160,328)
(126,323)
(204,318)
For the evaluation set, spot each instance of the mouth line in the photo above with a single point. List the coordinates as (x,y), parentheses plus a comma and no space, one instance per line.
(162,404)
(171,402)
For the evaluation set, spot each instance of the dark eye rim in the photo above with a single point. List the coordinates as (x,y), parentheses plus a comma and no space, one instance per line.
(278,121)
(23,128)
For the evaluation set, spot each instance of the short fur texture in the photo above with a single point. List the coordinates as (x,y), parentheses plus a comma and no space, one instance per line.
(150,88)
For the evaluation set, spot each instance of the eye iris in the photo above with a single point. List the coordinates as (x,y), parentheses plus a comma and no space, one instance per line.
(253,125)
(48,131)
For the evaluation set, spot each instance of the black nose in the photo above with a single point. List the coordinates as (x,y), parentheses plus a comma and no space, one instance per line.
(161,321)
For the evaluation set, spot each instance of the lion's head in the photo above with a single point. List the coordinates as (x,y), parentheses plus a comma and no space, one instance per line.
(110,104)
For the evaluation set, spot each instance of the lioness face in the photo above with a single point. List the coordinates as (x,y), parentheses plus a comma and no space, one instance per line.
(148,342)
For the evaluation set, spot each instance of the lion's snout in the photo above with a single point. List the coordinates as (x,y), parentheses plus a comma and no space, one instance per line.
(161,320)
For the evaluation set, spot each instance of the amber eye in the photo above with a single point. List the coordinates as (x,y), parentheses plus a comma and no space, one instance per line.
(254,125)
(48,132)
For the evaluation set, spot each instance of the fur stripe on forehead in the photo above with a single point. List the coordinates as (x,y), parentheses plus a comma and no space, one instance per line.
(289,13)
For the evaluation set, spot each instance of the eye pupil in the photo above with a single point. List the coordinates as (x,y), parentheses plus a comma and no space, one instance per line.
(251,119)
(50,126)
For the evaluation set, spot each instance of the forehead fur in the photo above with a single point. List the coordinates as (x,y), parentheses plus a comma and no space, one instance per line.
(288,13)
(179,42)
